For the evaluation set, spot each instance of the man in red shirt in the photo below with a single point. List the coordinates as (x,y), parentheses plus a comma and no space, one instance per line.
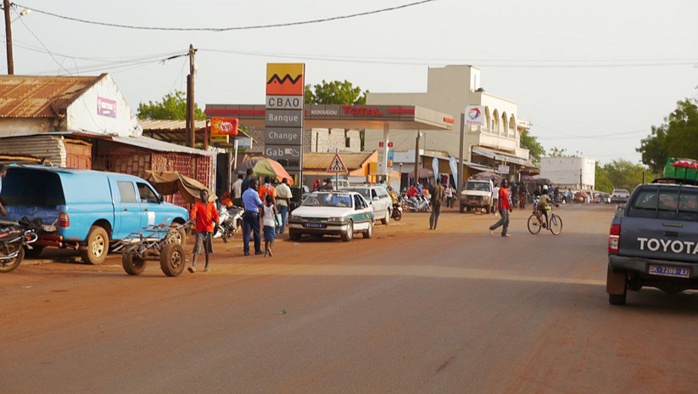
(504,207)
(205,216)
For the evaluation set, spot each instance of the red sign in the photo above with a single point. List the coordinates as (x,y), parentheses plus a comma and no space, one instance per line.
(380,144)
(390,144)
(224,126)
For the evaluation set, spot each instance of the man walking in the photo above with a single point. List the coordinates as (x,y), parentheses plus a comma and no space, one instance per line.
(504,207)
(283,198)
(437,197)
(250,219)
(205,215)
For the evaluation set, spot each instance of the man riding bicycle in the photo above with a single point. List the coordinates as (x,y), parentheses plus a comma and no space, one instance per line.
(543,205)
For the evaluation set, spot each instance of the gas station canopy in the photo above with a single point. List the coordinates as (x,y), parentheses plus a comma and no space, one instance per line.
(377,117)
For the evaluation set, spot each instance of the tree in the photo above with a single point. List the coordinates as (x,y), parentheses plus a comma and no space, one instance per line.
(534,147)
(556,152)
(677,137)
(601,180)
(623,174)
(337,92)
(172,107)
(334,92)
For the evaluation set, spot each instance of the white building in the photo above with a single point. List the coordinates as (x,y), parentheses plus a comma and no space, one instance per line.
(577,173)
(450,89)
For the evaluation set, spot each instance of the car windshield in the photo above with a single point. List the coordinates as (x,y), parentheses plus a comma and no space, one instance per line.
(364,192)
(334,200)
(480,186)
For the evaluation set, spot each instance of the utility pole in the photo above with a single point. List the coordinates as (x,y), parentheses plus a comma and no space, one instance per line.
(416,159)
(191,103)
(8,38)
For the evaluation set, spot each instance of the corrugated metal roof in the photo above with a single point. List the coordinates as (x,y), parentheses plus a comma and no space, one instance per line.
(23,96)
(174,130)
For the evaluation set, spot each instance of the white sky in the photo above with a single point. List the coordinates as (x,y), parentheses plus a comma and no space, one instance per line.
(591,76)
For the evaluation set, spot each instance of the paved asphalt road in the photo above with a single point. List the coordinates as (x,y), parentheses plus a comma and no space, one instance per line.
(410,311)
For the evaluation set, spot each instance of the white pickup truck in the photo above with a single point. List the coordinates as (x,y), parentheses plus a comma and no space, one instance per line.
(476,194)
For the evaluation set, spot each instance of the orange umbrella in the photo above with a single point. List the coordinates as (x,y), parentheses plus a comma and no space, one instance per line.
(269,167)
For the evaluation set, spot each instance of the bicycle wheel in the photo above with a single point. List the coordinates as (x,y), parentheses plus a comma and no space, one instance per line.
(555,224)
(533,225)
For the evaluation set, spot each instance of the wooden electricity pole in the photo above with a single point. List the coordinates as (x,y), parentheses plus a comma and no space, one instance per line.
(8,38)
(191,103)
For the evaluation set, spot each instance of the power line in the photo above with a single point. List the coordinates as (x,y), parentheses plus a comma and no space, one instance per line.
(223,29)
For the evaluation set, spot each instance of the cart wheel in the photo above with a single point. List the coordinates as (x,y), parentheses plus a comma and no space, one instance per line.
(133,264)
(175,236)
(172,259)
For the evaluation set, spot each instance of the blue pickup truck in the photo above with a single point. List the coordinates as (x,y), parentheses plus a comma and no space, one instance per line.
(653,240)
(91,209)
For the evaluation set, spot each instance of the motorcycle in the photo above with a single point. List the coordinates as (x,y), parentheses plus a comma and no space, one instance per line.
(417,204)
(14,238)
(397,210)
(229,223)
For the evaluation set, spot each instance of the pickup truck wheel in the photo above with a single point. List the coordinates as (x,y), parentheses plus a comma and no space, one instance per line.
(616,286)
(97,248)
(34,252)
(172,259)
(132,263)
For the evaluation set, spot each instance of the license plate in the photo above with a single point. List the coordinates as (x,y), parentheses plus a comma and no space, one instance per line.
(315,225)
(665,270)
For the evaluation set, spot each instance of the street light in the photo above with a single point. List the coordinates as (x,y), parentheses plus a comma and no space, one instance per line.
(21,14)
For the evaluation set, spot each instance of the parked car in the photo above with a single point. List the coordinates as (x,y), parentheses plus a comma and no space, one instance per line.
(619,196)
(340,213)
(602,198)
(378,198)
(476,194)
(90,209)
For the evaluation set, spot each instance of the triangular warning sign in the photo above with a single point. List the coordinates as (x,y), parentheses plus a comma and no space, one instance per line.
(336,165)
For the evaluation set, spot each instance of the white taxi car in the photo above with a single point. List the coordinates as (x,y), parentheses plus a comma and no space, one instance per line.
(378,198)
(340,213)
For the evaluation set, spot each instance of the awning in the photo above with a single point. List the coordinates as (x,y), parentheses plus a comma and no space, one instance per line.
(497,155)
(171,182)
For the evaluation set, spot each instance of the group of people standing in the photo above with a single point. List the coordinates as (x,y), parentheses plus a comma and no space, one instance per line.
(265,208)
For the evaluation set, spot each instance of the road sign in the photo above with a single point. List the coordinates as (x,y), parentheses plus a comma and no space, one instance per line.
(337,165)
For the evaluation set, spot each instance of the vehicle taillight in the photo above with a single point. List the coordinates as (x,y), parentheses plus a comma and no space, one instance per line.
(614,238)
(63,219)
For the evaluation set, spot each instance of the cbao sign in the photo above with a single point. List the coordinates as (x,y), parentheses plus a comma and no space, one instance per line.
(283,134)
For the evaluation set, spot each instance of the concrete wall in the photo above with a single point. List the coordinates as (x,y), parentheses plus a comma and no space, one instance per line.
(566,171)
(324,140)
(115,116)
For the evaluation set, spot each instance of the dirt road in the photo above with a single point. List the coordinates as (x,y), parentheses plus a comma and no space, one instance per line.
(409,311)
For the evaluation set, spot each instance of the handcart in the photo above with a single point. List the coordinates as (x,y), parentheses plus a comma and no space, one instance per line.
(155,242)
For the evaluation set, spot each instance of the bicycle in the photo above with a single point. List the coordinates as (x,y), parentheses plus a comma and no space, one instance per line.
(554,222)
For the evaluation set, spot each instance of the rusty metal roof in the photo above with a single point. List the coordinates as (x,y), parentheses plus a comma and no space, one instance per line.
(174,131)
(23,96)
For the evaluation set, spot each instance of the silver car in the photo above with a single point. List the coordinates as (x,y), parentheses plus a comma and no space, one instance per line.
(378,198)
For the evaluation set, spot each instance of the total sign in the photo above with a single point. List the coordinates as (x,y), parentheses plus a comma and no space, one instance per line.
(475,115)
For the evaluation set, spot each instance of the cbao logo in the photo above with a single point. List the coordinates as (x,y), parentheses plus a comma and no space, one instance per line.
(285,79)
(668,245)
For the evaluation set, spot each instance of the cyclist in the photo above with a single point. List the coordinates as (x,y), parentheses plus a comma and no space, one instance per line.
(543,204)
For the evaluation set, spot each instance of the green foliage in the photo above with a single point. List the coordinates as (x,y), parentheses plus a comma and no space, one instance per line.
(677,137)
(601,180)
(555,152)
(623,174)
(534,147)
(172,107)
(334,92)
